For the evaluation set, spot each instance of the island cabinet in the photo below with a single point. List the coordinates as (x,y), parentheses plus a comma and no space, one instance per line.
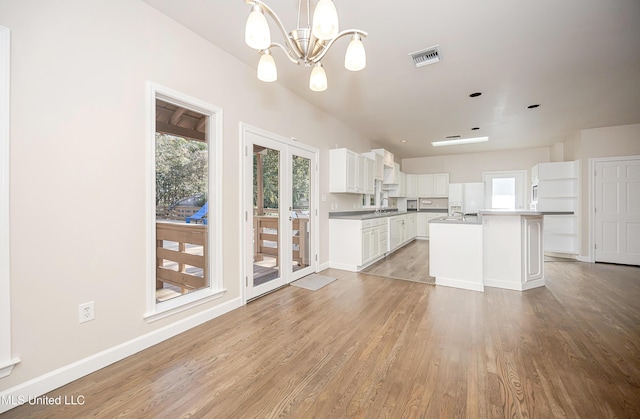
(356,244)
(513,250)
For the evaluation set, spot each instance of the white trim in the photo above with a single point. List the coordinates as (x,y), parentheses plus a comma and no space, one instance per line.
(457,283)
(64,375)
(591,257)
(7,362)
(155,311)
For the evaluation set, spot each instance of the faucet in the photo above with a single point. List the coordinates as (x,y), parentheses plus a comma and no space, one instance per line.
(460,213)
(381,209)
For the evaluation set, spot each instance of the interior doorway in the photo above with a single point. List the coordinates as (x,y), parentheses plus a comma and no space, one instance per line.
(616,211)
(281,211)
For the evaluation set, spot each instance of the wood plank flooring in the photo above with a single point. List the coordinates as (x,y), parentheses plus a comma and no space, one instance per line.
(366,346)
(410,263)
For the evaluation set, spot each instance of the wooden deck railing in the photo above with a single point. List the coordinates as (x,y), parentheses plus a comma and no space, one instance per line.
(265,229)
(183,234)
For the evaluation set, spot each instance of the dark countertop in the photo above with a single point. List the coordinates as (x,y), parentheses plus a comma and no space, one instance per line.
(366,215)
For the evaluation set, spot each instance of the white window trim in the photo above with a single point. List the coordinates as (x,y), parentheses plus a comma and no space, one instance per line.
(7,362)
(521,204)
(156,311)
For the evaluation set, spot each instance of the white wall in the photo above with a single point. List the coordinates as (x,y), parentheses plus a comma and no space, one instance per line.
(78,148)
(616,141)
(469,167)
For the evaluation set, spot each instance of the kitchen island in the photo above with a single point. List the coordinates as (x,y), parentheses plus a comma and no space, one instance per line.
(501,248)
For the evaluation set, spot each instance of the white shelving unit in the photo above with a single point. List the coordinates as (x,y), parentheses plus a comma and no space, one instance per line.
(558,190)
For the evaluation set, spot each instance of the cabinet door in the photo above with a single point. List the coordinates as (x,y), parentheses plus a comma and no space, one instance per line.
(423,225)
(369,175)
(412,186)
(366,246)
(352,172)
(441,184)
(425,186)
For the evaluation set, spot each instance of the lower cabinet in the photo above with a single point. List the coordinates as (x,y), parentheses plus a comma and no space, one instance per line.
(402,230)
(355,244)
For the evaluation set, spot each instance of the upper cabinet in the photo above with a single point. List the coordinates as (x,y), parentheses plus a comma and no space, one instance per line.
(391,175)
(378,172)
(412,186)
(386,155)
(433,185)
(350,172)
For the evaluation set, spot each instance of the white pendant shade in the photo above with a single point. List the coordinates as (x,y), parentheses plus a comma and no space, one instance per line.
(267,70)
(318,79)
(356,58)
(256,32)
(325,20)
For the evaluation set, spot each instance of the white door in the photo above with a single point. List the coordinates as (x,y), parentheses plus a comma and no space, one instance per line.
(617,211)
(281,209)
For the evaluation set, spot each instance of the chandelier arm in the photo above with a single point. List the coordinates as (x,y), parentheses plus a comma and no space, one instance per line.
(326,47)
(276,19)
(290,54)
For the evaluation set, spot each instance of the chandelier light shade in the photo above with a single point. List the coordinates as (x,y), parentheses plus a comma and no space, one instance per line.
(256,32)
(325,20)
(356,58)
(318,79)
(267,70)
(303,45)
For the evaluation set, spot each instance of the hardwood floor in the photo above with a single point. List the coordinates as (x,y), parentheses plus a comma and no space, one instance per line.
(367,346)
(410,263)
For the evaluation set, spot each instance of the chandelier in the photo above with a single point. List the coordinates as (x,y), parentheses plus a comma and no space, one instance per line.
(306,45)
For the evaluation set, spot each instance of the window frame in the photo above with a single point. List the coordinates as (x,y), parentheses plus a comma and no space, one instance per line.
(521,187)
(158,310)
(7,361)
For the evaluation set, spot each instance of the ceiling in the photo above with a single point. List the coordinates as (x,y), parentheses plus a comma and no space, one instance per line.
(578,59)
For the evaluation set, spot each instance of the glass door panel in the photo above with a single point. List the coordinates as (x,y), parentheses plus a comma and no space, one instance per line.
(266,215)
(301,163)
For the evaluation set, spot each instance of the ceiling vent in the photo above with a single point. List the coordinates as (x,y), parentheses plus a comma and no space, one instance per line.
(426,56)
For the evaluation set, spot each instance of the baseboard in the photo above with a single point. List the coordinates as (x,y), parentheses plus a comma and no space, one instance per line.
(584,259)
(323,266)
(57,378)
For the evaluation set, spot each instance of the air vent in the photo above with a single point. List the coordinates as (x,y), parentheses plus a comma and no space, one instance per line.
(426,56)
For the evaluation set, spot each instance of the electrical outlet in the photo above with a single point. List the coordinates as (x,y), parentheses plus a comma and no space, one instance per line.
(86,312)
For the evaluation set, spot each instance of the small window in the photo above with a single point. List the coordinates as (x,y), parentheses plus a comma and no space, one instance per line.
(503,193)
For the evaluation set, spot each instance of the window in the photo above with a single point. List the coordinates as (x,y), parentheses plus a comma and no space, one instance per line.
(184,227)
(503,193)
(505,190)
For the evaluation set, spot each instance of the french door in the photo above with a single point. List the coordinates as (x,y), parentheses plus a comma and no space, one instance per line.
(280,204)
(617,211)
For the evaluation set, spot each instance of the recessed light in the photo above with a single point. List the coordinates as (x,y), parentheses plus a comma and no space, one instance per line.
(475,128)
(459,141)
(476,94)
(403,141)
(533,106)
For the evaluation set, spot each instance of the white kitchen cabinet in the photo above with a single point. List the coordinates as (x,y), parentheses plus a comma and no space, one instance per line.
(378,172)
(391,175)
(434,185)
(412,186)
(411,227)
(369,175)
(343,169)
(402,230)
(399,190)
(513,250)
(422,227)
(388,159)
(356,244)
